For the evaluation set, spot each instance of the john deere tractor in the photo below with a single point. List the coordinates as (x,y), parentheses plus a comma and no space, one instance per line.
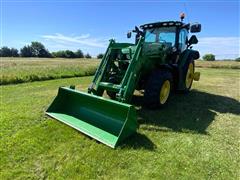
(160,61)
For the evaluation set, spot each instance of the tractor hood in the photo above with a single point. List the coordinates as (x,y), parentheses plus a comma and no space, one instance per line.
(129,49)
(156,49)
(149,49)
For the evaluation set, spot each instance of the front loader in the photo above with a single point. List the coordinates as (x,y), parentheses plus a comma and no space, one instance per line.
(160,61)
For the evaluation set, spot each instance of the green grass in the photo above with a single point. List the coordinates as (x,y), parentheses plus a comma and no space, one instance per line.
(19,70)
(196,136)
(227,64)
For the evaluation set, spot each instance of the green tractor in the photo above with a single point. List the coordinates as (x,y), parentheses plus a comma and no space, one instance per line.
(160,61)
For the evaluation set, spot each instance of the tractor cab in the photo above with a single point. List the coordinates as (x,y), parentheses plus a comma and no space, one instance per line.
(169,38)
(170,33)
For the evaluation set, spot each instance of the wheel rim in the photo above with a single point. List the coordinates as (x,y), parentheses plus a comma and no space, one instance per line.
(164,92)
(189,76)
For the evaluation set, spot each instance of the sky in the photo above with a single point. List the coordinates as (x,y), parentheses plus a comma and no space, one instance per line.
(88,25)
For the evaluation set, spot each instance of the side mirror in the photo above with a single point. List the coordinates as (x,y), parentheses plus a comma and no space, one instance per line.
(129,34)
(193,40)
(194,28)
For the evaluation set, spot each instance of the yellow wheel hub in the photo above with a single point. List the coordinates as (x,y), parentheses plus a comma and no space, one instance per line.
(189,76)
(165,91)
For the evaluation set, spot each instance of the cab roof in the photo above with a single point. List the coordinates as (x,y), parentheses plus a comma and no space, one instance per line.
(162,24)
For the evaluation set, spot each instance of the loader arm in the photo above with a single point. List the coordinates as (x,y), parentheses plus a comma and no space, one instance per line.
(132,75)
(124,90)
(100,69)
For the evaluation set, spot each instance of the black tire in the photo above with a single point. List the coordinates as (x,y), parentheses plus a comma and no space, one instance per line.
(185,73)
(154,86)
(111,94)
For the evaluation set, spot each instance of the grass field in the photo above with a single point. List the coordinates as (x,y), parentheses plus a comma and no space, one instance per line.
(196,136)
(19,70)
(218,64)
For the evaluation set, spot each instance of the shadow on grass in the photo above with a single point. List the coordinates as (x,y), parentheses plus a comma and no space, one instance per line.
(138,141)
(192,112)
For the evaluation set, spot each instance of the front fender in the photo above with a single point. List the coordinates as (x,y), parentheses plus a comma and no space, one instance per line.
(184,58)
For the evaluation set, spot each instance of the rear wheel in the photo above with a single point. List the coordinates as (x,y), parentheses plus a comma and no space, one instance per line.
(158,88)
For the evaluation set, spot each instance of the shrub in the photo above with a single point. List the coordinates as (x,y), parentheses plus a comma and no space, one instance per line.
(237,59)
(26,51)
(100,56)
(14,52)
(88,56)
(39,50)
(36,49)
(209,57)
(60,54)
(5,52)
(79,54)
(69,54)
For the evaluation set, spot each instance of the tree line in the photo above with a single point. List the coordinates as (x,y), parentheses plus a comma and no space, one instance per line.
(37,49)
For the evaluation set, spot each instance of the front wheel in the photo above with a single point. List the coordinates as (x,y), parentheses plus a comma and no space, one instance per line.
(111,94)
(188,75)
(158,88)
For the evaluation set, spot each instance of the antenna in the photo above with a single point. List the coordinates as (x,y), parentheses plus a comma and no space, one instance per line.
(185,7)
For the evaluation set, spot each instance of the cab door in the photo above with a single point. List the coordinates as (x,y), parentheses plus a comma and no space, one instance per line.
(183,39)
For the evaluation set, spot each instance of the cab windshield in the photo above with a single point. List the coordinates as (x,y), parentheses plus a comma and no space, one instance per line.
(164,35)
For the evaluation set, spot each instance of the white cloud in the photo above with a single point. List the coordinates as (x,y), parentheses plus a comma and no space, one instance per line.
(83,40)
(222,47)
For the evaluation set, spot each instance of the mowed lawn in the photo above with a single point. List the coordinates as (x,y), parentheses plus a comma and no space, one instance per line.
(196,136)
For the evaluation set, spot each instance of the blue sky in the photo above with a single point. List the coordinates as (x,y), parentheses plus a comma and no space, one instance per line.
(89,25)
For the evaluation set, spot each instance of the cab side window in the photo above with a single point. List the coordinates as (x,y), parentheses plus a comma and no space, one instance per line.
(183,40)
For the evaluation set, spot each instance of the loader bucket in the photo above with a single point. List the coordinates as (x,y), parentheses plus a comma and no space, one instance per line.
(105,120)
